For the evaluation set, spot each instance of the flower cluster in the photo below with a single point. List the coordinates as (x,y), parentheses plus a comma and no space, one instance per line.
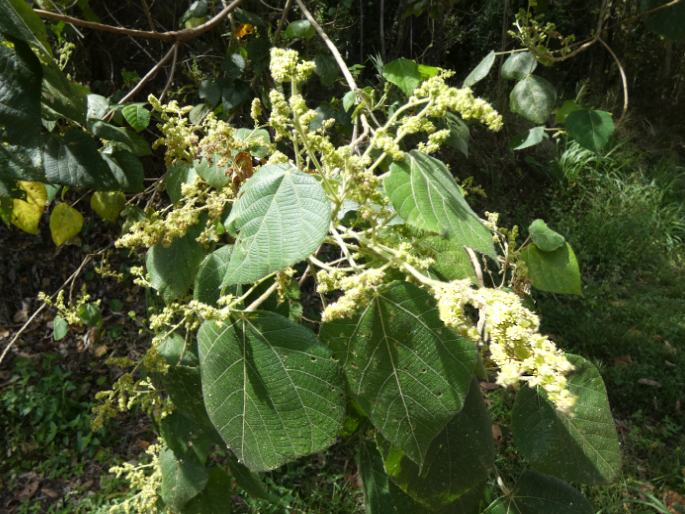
(461,100)
(146,479)
(357,290)
(286,66)
(515,343)
(70,313)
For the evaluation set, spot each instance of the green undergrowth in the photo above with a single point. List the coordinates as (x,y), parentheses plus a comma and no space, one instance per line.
(624,214)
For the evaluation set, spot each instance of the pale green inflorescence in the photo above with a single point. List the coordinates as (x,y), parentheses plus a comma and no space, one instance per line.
(285,66)
(515,343)
(357,289)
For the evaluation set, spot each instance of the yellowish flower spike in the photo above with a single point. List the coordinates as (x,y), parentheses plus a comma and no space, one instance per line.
(512,331)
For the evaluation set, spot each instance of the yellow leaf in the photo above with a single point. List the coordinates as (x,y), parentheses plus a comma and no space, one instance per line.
(108,204)
(26,213)
(65,223)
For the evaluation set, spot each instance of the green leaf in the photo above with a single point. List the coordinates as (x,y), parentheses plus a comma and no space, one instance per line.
(172,268)
(299,29)
(234,93)
(566,108)
(458,461)
(271,389)
(349,100)
(122,138)
(381,495)
(108,204)
(540,494)
(183,435)
(533,98)
(518,66)
(258,140)
(407,371)
(63,96)
(282,216)
(250,482)
(19,21)
(176,176)
(592,129)
(60,327)
(544,237)
(215,176)
(75,161)
(533,137)
(459,133)
(65,223)
(668,22)
(426,196)
(90,314)
(554,272)
(182,478)
(216,496)
(137,116)
(20,110)
(581,447)
(407,74)
(481,70)
(97,107)
(211,274)
(327,69)
(126,169)
(451,262)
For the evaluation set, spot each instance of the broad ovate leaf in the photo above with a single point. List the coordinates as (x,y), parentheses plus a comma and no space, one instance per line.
(518,66)
(108,204)
(407,371)
(536,493)
(425,196)
(281,217)
(591,129)
(553,272)
(26,213)
(458,461)
(183,477)
(65,223)
(581,446)
(544,237)
(533,98)
(75,161)
(271,389)
(481,70)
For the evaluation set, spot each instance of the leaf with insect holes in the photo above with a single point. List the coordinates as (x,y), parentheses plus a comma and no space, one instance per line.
(271,389)
(405,369)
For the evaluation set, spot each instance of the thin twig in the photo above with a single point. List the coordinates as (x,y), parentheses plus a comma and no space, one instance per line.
(150,74)
(254,305)
(476,266)
(174,58)
(352,84)
(173,35)
(28,322)
(624,79)
(658,8)
(284,17)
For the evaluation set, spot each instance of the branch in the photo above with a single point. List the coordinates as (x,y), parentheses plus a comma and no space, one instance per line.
(173,35)
(624,79)
(282,20)
(150,74)
(331,46)
(26,325)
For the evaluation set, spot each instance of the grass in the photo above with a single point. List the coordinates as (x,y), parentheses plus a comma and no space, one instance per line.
(626,222)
